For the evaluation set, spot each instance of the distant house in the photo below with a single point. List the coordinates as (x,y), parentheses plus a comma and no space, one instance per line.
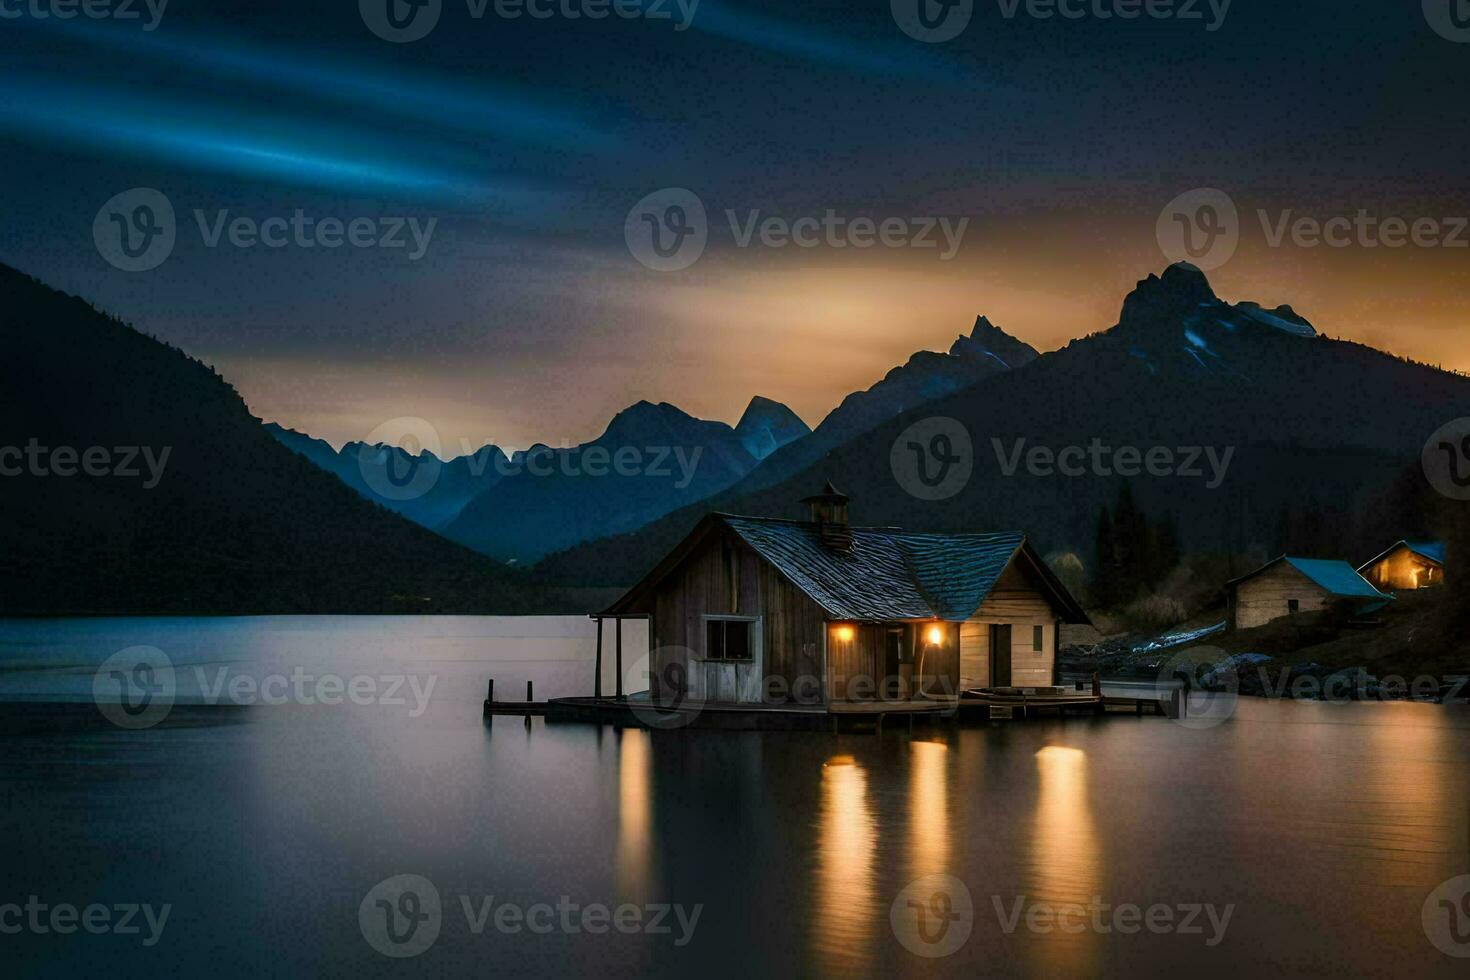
(758,610)
(1290,585)
(1407,565)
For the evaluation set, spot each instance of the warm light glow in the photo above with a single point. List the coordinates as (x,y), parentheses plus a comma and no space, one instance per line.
(1065,857)
(936,635)
(844,634)
(847,841)
(635,819)
(928,831)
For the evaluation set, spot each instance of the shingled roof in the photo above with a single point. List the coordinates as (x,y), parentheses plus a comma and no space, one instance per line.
(888,574)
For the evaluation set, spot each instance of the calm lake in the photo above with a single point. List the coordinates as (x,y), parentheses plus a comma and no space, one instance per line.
(1294,837)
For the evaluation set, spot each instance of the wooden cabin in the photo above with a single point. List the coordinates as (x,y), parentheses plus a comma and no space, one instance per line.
(1406,566)
(764,611)
(1288,585)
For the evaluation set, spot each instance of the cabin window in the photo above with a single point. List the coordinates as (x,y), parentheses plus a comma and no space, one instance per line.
(1038,639)
(1293,605)
(727,639)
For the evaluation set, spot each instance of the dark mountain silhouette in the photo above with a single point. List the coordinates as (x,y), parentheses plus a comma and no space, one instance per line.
(652,459)
(768,425)
(925,377)
(235,523)
(1310,423)
(367,468)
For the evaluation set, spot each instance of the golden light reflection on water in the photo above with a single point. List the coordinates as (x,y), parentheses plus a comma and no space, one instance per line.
(929,829)
(634,852)
(1404,779)
(1065,866)
(847,836)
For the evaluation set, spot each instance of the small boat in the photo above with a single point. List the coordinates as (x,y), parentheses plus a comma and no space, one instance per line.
(1030,698)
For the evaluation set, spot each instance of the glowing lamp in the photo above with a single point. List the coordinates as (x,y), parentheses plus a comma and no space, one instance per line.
(844,634)
(935,635)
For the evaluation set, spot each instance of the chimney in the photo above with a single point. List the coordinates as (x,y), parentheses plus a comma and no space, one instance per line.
(829,513)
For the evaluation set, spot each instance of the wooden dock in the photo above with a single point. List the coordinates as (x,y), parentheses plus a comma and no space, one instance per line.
(639,711)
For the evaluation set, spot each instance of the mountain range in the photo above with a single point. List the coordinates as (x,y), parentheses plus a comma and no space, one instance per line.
(650,460)
(146,486)
(1303,423)
(1278,420)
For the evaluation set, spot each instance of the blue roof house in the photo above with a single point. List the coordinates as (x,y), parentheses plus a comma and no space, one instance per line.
(1290,585)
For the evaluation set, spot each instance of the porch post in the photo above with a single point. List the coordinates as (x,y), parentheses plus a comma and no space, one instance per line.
(597,681)
(619,634)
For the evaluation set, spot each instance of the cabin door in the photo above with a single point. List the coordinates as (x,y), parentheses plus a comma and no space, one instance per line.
(1000,655)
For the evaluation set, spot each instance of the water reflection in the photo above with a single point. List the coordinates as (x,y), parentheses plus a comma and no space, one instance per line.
(634,853)
(1405,806)
(1065,866)
(847,835)
(929,830)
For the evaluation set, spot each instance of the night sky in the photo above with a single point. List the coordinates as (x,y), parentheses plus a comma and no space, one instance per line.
(529,140)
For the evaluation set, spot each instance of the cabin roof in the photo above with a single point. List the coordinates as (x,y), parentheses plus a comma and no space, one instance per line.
(889,574)
(1337,578)
(1430,550)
